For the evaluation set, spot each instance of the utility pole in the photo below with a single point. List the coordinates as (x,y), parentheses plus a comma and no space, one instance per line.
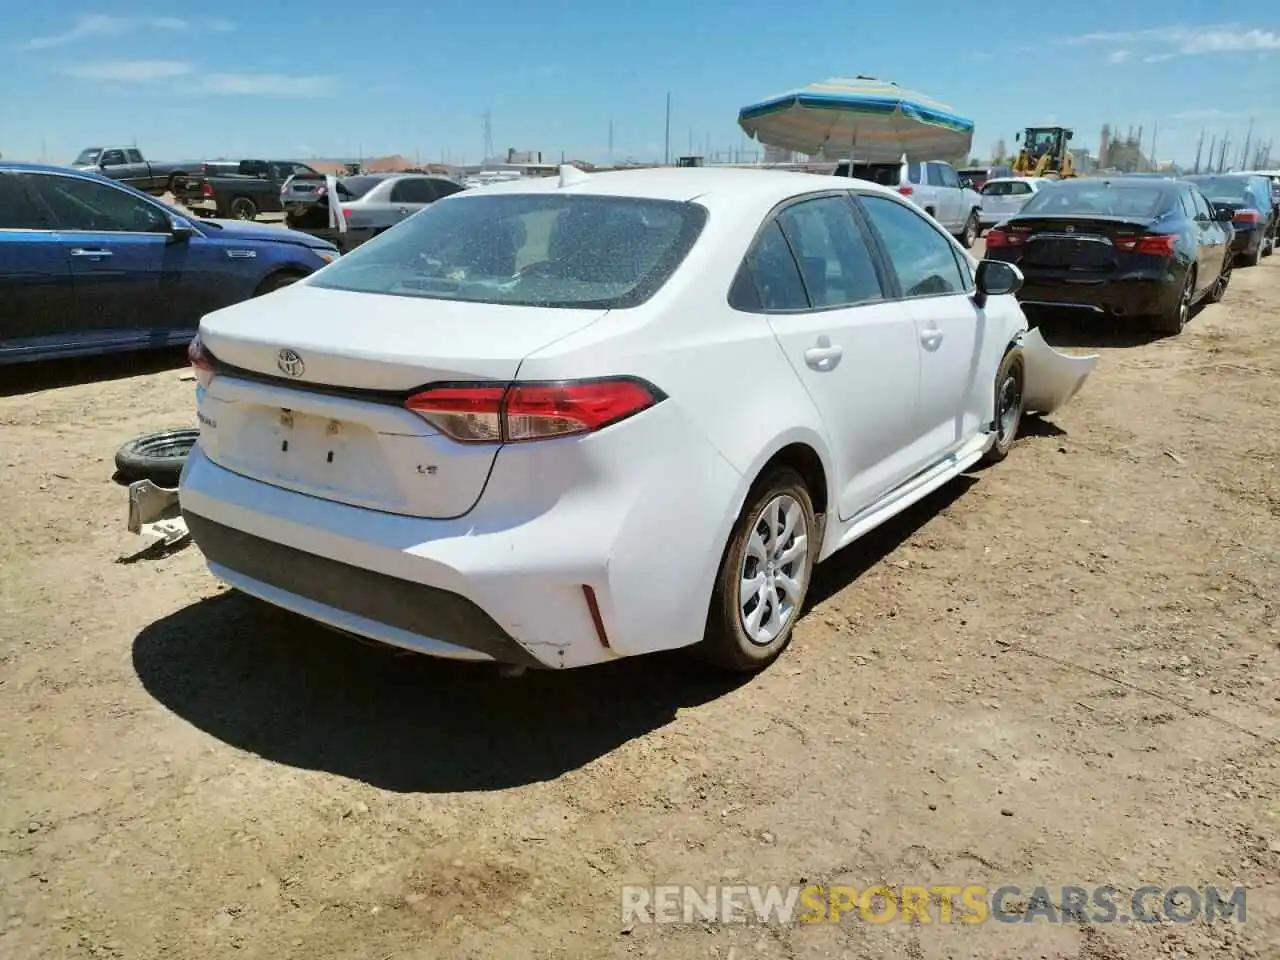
(1155,164)
(667,148)
(1244,156)
(1199,147)
(611,142)
(487,119)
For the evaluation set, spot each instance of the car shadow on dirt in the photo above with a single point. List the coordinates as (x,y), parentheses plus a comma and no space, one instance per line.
(279,686)
(1060,330)
(37,375)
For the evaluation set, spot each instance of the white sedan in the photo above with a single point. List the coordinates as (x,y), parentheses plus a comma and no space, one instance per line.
(1003,197)
(557,422)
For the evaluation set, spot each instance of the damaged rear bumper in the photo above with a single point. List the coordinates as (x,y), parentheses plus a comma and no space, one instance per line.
(1052,378)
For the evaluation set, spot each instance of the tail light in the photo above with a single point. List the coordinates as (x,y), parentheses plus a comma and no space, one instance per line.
(906,191)
(1250,217)
(201,361)
(347,213)
(1155,245)
(479,413)
(1007,237)
(322,191)
(206,190)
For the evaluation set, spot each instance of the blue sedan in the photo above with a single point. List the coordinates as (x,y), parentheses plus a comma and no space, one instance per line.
(88,265)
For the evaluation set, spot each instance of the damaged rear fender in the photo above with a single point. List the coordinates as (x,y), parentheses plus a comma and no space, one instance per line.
(1052,378)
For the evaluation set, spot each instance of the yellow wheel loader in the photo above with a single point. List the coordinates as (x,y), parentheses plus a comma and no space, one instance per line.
(1044,153)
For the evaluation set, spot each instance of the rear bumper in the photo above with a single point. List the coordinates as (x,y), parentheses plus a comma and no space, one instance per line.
(506,581)
(1247,241)
(1122,296)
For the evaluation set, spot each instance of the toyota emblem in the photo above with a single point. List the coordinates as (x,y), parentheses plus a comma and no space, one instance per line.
(290,363)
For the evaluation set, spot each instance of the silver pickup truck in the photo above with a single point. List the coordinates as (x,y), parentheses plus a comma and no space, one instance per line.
(932,185)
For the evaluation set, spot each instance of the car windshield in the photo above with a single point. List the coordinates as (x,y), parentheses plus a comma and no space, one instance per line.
(1004,188)
(1226,189)
(87,157)
(544,250)
(1098,198)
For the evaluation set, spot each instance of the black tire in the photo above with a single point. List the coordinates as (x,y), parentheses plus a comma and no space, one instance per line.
(158,457)
(1268,246)
(1171,322)
(1252,259)
(277,281)
(1219,288)
(243,208)
(173,184)
(1009,391)
(969,236)
(726,643)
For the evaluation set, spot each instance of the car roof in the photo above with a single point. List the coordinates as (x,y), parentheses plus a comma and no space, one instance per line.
(1019,180)
(723,184)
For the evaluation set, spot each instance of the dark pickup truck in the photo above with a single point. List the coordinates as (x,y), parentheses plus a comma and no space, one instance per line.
(251,188)
(127,165)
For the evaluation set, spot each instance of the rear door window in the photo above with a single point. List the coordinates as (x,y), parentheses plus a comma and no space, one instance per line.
(18,211)
(92,207)
(769,280)
(935,176)
(113,158)
(834,258)
(413,190)
(948,174)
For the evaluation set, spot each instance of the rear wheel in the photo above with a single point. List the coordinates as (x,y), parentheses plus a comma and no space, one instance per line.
(1175,318)
(764,575)
(971,230)
(1009,393)
(1248,259)
(1219,289)
(242,208)
(276,281)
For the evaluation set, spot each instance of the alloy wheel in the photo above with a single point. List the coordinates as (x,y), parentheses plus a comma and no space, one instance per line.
(1010,406)
(774,569)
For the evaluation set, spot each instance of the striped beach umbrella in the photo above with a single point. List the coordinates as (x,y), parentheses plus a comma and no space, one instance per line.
(875,121)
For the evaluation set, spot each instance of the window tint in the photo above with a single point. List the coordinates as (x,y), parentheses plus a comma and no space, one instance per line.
(1005,188)
(935,175)
(923,258)
(948,172)
(773,275)
(357,186)
(885,174)
(1126,198)
(446,188)
(1187,205)
(1203,210)
(544,250)
(414,190)
(133,156)
(17,210)
(98,207)
(113,157)
(834,258)
(914,173)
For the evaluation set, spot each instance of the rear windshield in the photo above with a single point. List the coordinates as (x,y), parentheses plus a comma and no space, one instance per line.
(1005,188)
(1098,197)
(527,250)
(358,186)
(885,174)
(1229,189)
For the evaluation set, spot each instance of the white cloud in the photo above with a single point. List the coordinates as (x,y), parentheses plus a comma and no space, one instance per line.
(90,25)
(1210,114)
(1187,40)
(130,71)
(265,84)
(1118,56)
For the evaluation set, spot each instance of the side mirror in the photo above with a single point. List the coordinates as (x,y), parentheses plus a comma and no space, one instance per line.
(180,231)
(995,278)
(1070,134)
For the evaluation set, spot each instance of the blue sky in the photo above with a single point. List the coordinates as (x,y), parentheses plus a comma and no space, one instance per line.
(326,78)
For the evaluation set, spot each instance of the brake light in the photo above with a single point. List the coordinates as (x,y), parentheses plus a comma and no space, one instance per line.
(206,190)
(201,361)
(1156,245)
(531,411)
(1247,216)
(906,191)
(1010,237)
(347,212)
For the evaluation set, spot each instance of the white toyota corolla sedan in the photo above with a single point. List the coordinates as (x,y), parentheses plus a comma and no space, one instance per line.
(557,422)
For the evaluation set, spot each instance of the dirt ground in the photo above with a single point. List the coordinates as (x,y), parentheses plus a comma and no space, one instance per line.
(1060,671)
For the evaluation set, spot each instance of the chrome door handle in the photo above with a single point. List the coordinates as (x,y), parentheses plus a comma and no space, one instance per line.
(81,252)
(823,358)
(931,339)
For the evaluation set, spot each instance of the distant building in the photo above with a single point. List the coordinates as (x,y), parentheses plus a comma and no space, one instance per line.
(778,155)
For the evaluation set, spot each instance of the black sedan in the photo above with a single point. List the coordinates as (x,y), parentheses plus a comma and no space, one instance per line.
(1127,247)
(1254,213)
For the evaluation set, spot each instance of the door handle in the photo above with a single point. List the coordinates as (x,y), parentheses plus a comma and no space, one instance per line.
(81,252)
(931,338)
(824,357)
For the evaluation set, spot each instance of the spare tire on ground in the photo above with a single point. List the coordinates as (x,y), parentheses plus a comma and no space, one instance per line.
(158,457)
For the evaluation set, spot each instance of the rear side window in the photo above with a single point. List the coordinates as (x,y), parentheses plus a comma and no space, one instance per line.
(885,174)
(529,249)
(446,188)
(923,258)
(413,190)
(769,280)
(914,173)
(17,210)
(835,261)
(1006,188)
(357,186)
(935,176)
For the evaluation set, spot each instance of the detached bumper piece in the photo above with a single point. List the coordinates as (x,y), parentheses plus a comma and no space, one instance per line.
(154,512)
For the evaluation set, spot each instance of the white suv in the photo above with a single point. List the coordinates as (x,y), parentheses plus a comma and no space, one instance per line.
(933,186)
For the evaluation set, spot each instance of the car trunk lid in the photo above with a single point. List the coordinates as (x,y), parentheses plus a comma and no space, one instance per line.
(1074,244)
(310,387)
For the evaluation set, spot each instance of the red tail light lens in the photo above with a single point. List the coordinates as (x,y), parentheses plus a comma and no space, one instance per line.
(206,190)
(531,411)
(1247,216)
(1007,237)
(1157,245)
(347,213)
(906,191)
(200,360)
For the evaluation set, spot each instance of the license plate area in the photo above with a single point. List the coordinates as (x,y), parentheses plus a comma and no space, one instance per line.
(1071,252)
